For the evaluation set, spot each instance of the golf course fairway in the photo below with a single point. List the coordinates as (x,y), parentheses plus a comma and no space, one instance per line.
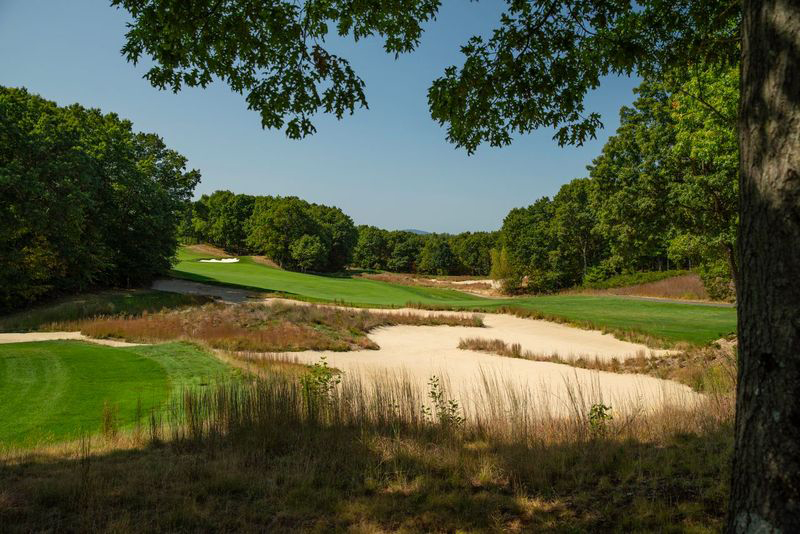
(670,321)
(52,391)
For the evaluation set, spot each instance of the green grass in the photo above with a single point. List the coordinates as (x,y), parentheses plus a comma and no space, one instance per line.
(56,390)
(352,461)
(104,303)
(357,291)
(672,322)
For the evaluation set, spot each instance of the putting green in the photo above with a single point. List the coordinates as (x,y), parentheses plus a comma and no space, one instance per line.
(670,321)
(56,390)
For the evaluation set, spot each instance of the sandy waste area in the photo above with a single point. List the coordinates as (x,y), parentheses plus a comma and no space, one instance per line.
(417,353)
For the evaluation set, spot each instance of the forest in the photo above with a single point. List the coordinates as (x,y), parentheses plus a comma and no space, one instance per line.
(86,201)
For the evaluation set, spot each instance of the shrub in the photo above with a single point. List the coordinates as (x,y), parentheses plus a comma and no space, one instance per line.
(717,281)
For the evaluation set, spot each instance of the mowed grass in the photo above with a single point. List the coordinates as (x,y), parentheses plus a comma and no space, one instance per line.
(356,291)
(669,321)
(56,390)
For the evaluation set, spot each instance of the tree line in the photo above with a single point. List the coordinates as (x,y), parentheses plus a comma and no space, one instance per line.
(290,231)
(86,201)
(300,235)
(663,193)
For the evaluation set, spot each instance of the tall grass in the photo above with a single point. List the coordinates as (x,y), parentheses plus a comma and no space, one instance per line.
(633,279)
(677,286)
(365,456)
(709,369)
(270,327)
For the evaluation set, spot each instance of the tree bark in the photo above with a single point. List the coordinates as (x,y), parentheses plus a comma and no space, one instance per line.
(730,250)
(765,491)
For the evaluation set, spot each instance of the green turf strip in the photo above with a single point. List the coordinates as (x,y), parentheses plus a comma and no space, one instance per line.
(667,320)
(55,390)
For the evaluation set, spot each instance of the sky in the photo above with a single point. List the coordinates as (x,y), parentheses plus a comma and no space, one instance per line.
(388,166)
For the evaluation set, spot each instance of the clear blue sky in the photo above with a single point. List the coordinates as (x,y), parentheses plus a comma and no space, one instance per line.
(388,166)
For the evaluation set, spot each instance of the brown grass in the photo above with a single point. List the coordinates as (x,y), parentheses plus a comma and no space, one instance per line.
(263,260)
(688,287)
(266,456)
(274,327)
(209,250)
(705,369)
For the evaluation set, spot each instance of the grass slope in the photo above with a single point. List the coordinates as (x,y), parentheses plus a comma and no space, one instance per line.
(102,303)
(670,321)
(357,291)
(56,390)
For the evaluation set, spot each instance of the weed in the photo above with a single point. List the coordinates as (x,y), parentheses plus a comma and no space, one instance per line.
(599,417)
(446,412)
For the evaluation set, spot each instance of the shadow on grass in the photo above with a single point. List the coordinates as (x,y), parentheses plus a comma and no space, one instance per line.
(192,277)
(290,478)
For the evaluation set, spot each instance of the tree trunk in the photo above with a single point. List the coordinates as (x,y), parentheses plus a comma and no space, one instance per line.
(765,491)
(730,250)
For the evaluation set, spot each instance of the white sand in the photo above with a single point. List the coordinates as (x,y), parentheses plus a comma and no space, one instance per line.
(422,351)
(419,352)
(223,260)
(57,336)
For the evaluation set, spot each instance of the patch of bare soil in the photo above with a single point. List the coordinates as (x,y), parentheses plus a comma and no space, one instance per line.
(263,260)
(210,250)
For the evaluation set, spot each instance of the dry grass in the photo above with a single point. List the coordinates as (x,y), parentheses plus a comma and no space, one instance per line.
(634,336)
(271,327)
(208,250)
(273,455)
(705,369)
(689,287)
(263,260)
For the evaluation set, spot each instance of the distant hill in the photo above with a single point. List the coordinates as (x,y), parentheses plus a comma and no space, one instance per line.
(418,232)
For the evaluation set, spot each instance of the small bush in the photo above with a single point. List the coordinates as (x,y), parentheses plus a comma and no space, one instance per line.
(717,281)
(599,417)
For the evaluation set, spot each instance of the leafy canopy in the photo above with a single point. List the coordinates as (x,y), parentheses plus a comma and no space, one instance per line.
(533,71)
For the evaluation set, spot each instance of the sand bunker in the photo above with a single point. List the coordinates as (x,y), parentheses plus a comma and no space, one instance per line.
(222,260)
(58,336)
(419,352)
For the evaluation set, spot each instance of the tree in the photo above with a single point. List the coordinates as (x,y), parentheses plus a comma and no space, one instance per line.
(308,253)
(371,251)
(342,232)
(527,239)
(436,256)
(86,201)
(535,70)
(274,226)
(706,153)
(405,253)
(630,183)
(473,251)
(574,222)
